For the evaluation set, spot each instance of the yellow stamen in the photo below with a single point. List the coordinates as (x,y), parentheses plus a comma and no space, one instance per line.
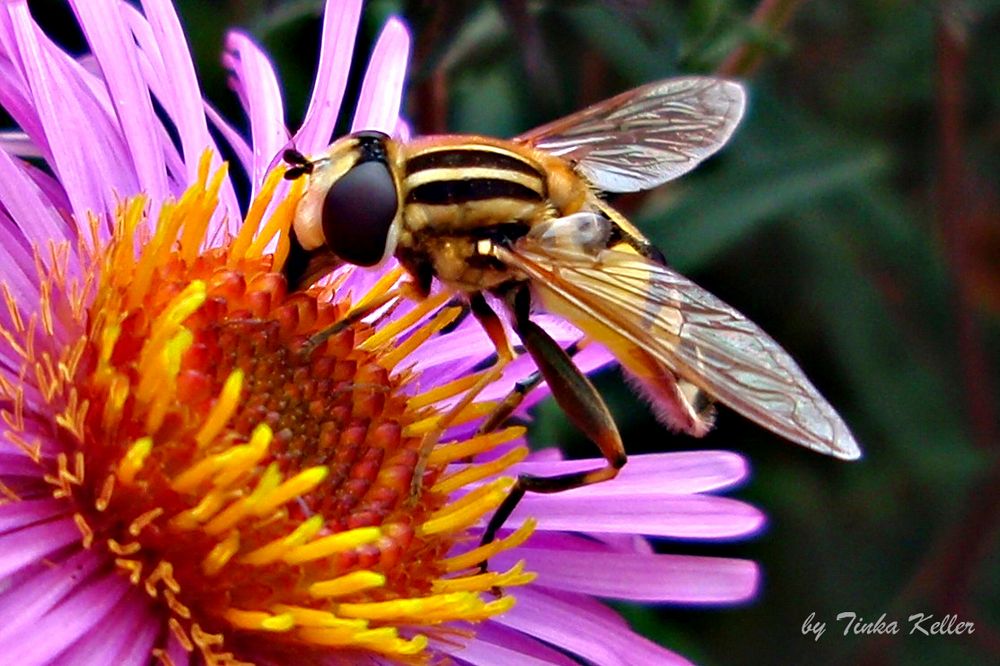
(246,506)
(266,498)
(486,581)
(443,392)
(222,410)
(107,490)
(310,617)
(241,244)
(351,583)
(203,511)
(384,640)
(388,333)
(419,337)
(381,287)
(232,462)
(474,473)
(118,392)
(245,458)
(429,610)
(464,512)
(333,544)
(280,221)
(219,556)
(144,520)
(275,550)
(474,411)
(491,609)
(449,453)
(485,552)
(164,329)
(130,465)
(298,485)
(197,220)
(244,619)
(170,364)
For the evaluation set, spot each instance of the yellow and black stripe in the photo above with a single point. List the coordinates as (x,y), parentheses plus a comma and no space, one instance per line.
(464,173)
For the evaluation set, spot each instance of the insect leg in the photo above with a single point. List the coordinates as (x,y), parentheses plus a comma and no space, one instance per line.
(578,399)
(513,400)
(491,323)
(352,317)
(364,308)
(510,402)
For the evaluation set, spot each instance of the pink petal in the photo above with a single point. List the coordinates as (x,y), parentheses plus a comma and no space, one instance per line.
(568,626)
(16,464)
(32,595)
(24,547)
(382,88)
(403,130)
(184,103)
(92,165)
(33,212)
(495,644)
(482,653)
(86,608)
(126,640)
(17,515)
(15,98)
(677,516)
(634,577)
(17,272)
(161,36)
(654,473)
(114,47)
(19,144)
(340,26)
(136,649)
(151,66)
(256,84)
(178,655)
(244,155)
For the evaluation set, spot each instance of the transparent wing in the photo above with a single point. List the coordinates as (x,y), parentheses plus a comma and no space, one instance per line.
(646,136)
(699,338)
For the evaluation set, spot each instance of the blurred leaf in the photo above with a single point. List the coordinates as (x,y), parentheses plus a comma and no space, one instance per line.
(916,411)
(714,213)
(484,100)
(638,58)
(756,183)
(279,16)
(481,33)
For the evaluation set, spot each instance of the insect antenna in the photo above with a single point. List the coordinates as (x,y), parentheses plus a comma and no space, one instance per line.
(300,165)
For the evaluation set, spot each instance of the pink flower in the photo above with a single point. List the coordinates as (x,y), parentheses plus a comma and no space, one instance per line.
(178,481)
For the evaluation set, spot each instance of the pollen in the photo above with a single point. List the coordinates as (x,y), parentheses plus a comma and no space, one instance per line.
(248,469)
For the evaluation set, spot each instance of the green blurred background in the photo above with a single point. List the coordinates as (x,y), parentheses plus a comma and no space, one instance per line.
(855,217)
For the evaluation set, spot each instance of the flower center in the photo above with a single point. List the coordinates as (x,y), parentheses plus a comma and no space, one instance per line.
(256,484)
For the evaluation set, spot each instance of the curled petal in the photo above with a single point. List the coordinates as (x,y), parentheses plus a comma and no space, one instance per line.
(340,26)
(382,88)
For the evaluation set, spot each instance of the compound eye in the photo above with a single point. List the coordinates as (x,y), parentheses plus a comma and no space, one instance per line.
(358,212)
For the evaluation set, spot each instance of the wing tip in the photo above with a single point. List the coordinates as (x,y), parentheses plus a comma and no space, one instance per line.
(843,445)
(852,452)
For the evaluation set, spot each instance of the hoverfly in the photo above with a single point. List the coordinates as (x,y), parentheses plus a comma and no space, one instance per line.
(524,220)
